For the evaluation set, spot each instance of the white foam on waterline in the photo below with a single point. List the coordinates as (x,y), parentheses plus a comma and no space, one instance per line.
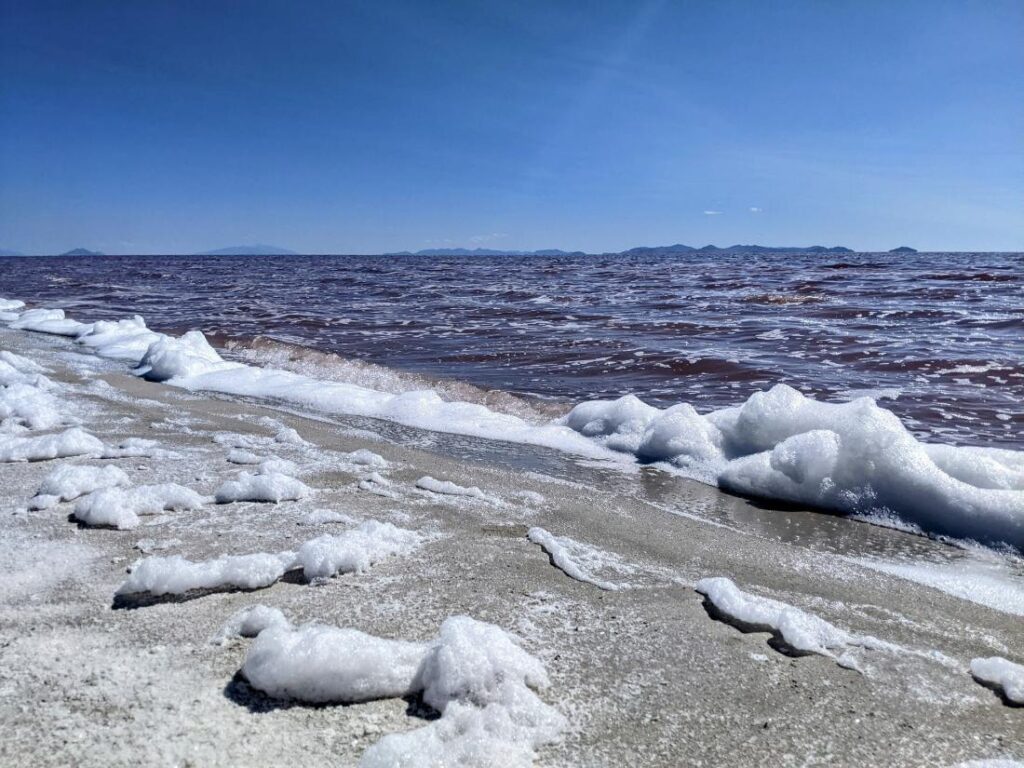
(1002,674)
(978,577)
(476,675)
(800,630)
(50,321)
(580,561)
(851,457)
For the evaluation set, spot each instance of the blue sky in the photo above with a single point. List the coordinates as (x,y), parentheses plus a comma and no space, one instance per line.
(361,127)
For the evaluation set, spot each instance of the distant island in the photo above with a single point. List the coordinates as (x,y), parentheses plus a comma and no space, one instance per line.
(903,249)
(81,252)
(658,250)
(9,252)
(249,250)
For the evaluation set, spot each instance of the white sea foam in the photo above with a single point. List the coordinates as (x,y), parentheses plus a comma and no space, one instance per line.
(126,339)
(266,485)
(175,575)
(448,488)
(800,630)
(30,407)
(1003,674)
(71,442)
(581,561)
(354,550)
(851,457)
(980,577)
(477,676)
(121,507)
(68,482)
(48,321)
(250,621)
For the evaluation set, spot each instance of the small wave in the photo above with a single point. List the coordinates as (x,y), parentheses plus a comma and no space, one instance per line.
(317,364)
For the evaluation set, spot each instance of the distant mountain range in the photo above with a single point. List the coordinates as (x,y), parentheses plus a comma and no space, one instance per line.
(665,250)
(485,252)
(249,250)
(81,252)
(657,250)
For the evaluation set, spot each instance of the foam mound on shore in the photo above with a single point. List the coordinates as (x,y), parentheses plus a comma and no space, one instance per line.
(68,482)
(850,457)
(121,507)
(474,674)
(354,550)
(175,575)
(266,485)
(71,442)
(1001,674)
(853,458)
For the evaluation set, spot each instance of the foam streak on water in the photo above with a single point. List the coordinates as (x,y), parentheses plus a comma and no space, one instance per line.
(940,333)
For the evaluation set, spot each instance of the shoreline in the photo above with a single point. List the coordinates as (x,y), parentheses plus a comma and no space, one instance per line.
(640,670)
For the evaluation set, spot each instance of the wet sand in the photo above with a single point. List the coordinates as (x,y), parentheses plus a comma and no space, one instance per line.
(645,675)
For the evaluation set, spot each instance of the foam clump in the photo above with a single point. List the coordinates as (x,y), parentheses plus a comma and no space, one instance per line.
(320,664)
(242,456)
(16,369)
(448,488)
(125,339)
(266,485)
(850,457)
(175,575)
(1002,674)
(250,621)
(68,482)
(367,459)
(800,630)
(354,550)
(580,561)
(189,355)
(27,406)
(121,507)
(475,675)
(71,442)
(50,321)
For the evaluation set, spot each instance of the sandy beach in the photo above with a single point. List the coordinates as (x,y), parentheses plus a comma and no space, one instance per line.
(641,666)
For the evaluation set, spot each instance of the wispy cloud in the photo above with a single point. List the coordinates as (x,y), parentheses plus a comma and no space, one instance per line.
(477,239)
(755,209)
(712,213)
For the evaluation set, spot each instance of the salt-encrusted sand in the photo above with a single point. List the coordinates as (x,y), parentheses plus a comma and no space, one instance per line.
(653,673)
